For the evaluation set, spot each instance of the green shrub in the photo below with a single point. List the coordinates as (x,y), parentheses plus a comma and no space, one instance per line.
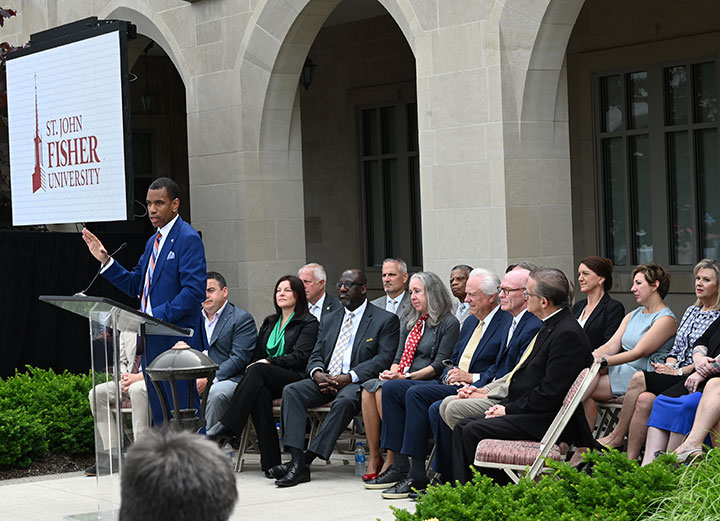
(697,495)
(22,438)
(58,403)
(618,490)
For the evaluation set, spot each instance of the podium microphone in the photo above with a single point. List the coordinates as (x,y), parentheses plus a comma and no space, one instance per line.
(82,293)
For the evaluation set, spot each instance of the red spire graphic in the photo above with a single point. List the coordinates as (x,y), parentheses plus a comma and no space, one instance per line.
(38,177)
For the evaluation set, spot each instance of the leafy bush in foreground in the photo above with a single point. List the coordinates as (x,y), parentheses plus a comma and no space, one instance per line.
(618,490)
(22,439)
(41,410)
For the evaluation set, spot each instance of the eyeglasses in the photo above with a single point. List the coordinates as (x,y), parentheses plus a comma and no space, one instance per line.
(527,294)
(347,284)
(507,291)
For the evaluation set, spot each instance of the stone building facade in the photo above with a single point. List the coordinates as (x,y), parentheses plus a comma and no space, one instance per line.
(443,131)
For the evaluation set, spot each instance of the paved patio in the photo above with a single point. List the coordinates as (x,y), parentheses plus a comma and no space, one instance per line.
(334,491)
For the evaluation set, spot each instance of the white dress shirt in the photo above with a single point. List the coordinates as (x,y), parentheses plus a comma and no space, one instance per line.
(316,309)
(357,317)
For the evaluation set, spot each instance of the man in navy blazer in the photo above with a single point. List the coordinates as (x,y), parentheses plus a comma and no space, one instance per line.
(176,288)
(354,344)
(229,340)
(406,424)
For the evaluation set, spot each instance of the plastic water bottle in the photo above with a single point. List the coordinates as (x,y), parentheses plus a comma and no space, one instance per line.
(279,434)
(360,460)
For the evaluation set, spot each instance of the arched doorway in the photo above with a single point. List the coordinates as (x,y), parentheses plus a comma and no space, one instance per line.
(361,179)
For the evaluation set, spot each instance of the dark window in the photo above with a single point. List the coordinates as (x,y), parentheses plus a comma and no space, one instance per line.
(390,171)
(657,141)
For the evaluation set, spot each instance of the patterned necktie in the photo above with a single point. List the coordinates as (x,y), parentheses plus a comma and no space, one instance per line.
(411,344)
(151,268)
(392,305)
(343,341)
(470,347)
(460,311)
(513,325)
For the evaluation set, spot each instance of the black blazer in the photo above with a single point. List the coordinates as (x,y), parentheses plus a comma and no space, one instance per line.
(373,347)
(538,387)
(300,336)
(603,321)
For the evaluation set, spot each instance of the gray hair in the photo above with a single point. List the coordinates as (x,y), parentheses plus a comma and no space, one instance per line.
(524,264)
(317,269)
(176,475)
(553,285)
(402,266)
(490,282)
(439,300)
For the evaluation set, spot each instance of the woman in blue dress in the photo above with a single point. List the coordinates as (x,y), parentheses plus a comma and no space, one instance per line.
(644,337)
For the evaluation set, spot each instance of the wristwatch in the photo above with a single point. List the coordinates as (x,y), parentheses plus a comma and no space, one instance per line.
(603,362)
(680,372)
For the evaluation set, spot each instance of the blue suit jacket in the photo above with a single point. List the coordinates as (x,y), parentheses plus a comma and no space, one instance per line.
(232,343)
(178,285)
(483,359)
(510,354)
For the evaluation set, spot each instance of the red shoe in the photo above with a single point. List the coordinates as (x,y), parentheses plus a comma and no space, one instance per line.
(373,475)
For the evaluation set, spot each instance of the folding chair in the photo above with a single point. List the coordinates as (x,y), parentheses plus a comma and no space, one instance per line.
(514,457)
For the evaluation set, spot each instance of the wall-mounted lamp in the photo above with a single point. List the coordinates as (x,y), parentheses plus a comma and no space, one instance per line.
(307,73)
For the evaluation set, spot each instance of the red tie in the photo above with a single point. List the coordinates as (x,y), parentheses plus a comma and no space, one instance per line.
(412,343)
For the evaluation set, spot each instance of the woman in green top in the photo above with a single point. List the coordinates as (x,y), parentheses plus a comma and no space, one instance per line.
(284,344)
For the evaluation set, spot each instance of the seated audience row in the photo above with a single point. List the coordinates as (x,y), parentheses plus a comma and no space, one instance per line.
(414,372)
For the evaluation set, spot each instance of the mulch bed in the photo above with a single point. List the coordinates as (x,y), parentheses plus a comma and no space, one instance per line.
(50,464)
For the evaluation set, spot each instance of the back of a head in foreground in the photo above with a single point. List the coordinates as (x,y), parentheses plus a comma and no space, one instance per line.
(178,476)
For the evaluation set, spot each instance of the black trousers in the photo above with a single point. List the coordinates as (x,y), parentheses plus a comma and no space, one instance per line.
(253,396)
(466,435)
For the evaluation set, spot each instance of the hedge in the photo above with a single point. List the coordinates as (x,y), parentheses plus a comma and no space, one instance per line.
(41,410)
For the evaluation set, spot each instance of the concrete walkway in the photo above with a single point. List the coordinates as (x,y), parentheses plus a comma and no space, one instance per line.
(334,491)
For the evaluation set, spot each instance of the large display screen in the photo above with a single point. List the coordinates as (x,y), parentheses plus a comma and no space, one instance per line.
(67,137)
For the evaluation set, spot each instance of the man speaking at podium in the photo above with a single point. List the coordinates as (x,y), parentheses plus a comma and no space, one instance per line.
(169,279)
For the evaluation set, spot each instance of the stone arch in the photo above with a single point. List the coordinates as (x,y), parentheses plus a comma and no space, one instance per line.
(540,32)
(151,26)
(273,52)
(532,39)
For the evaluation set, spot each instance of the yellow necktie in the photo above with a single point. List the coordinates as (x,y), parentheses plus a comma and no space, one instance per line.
(523,357)
(470,347)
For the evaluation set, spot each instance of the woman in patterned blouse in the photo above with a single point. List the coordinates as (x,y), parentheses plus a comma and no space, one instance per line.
(646,385)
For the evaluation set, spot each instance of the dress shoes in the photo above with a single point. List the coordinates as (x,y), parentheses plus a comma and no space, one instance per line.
(385,479)
(297,473)
(219,433)
(403,488)
(373,475)
(278,471)
(434,482)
